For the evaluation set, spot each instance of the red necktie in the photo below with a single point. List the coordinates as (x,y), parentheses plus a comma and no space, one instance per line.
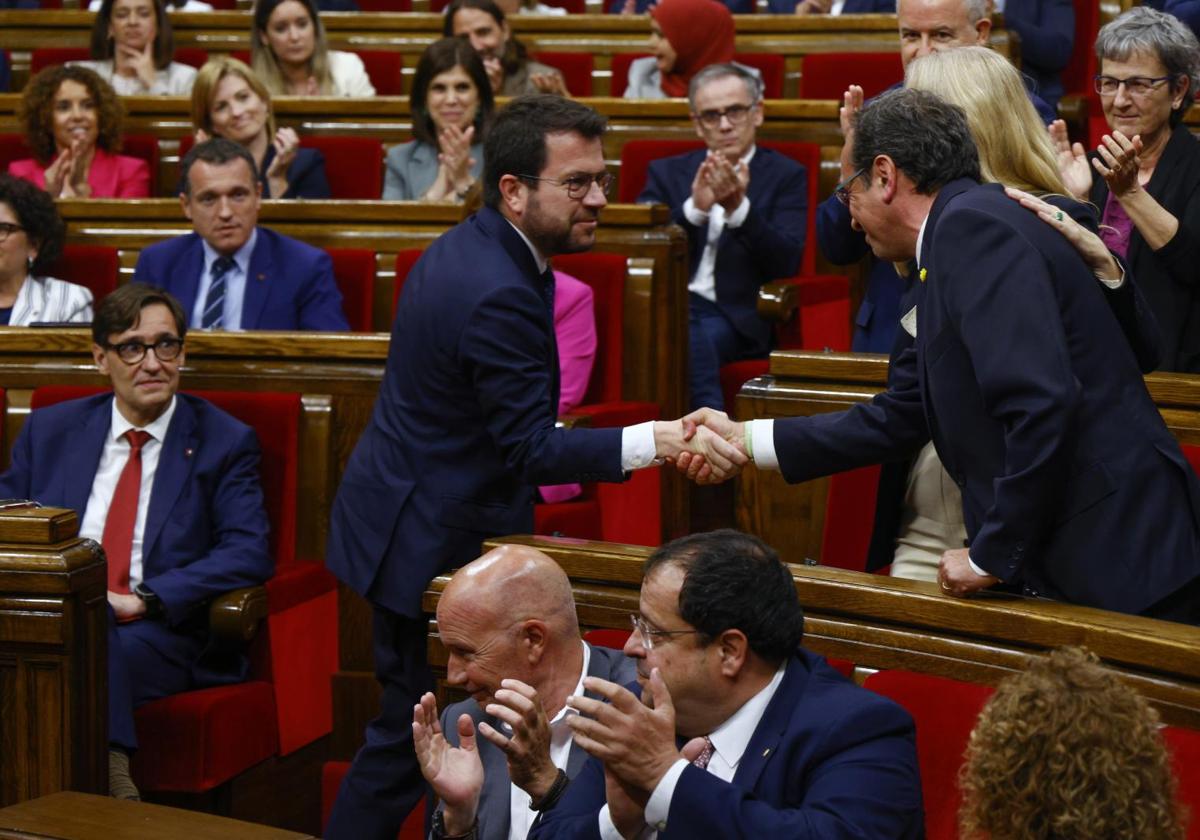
(122,514)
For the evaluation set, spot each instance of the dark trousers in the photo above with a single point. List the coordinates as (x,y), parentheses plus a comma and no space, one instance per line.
(713,342)
(384,783)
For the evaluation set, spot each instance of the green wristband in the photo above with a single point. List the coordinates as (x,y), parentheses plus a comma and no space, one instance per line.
(748,438)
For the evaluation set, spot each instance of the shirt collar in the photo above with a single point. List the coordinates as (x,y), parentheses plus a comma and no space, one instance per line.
(579,689)
(921,236)
(542,262)
(731,738)
(158,429)
(241,256)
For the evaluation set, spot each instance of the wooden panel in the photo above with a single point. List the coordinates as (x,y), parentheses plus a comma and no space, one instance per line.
(38,526)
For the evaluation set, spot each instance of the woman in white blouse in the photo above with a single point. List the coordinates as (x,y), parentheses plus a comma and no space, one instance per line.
(289,53)
(132,48)
(31,238)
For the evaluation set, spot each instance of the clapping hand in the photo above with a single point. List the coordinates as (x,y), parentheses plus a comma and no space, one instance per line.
(67,176)
(1118,162)
(455,154)
(719,181)
(528,750)
(1072,161)
(454,773)
(287,144)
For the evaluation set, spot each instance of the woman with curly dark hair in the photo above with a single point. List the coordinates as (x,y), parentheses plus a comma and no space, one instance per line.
(31,238)
(72,122)
(133,48)
(1066,751)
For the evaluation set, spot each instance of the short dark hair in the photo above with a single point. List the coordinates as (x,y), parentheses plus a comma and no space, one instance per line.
(733,580)
(515,55)
(103,48)
(440,56)
(927,138)
(516,144)
(215,151)
(121,309)
(37,214)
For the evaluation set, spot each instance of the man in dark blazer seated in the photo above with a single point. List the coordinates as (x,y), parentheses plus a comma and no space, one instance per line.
(169,485)
(464,429)
(1072,486)
(739,731)
(509,625)
(230,273)
(744,210)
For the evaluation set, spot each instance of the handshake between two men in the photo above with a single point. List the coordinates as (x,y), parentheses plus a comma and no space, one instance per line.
(705,445)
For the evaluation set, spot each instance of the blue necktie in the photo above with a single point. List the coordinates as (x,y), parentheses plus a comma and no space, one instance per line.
(214,304)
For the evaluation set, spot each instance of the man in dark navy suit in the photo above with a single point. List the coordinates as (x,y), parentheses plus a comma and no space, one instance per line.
(464,426)
(1072,486)
(230,273)
(744,210)
(169,485)
(832,7)
(738,730)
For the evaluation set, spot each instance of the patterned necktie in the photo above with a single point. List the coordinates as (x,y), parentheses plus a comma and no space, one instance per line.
(117,538)
(214,304)
(705,756)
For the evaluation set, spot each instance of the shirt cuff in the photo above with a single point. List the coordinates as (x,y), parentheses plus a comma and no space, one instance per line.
(637,446)
(658,808)
(608,831)
(976,569)
(1114,284)
(762,432)
(697,217)
(739,215)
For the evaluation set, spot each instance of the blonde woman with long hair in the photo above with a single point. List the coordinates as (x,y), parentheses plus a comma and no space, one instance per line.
(288,51)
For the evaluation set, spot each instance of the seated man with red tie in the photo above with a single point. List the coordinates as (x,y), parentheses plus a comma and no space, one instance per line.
(169,485)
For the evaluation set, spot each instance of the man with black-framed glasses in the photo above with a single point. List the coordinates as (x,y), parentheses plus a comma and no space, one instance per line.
(169,485)
(744,208)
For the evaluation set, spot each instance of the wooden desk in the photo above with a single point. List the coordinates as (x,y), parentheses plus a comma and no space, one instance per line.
(81,816)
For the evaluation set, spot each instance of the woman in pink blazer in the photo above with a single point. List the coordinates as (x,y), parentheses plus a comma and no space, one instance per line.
(72,123)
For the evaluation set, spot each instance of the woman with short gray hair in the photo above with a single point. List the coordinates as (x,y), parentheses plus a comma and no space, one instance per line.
(1149,166)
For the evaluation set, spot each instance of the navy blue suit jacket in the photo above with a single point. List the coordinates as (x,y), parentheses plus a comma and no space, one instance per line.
(306,175)
(463,427)
(828,761)
(206,530)
(852,7)
(1187,11)
(767,246)
(1072,485)
(1047,30)
(290,284)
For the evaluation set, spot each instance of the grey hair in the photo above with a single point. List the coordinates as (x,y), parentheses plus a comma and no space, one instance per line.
(1142,29)
(754,85)
(977,10)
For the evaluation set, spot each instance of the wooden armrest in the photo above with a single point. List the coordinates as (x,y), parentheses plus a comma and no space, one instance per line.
(778,302)
(235,616)
(573,421)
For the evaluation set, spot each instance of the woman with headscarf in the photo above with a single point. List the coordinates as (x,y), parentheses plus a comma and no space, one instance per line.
(685,36)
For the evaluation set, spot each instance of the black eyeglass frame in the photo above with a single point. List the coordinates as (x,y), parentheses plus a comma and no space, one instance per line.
(603,180)
(7,229)
(1151,83)
(648,633)
(842,190)
(139,348)
(736,114)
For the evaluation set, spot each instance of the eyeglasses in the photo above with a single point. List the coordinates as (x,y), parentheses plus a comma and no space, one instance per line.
(1138,86)
(7,229)
(842,190)
(736,114)
(578,186)
(649,634)
(132,352)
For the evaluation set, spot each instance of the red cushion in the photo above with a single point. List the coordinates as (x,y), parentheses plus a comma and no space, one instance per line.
(945,712)
(607,638)
(45,395)
(1184,747)
(620,74)
(771,66)
(843,666)
(43,57)
(1191,451)
(637,155)
(193,56)
(827,75)
(575,518)
(385,5)
(823,321)
(353,165)
(849,518)
(405,260)
(196,740)
(385,68)
(354,271)
(331,779)
(95,266)
(736,374)
(576,68)
(12,147)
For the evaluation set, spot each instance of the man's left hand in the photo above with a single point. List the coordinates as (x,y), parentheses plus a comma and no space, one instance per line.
(528,750)
(958,578)
(634,738)
(126,606)
(728,181)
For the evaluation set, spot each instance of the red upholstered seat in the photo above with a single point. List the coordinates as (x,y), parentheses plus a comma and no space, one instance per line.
(331,779)
(385,5)
(843,666)
(43,57)
(196,740)
(849,518)
(354,271)
(607,637)
(95,266)
(576,68)
(1083,66)
(827,75)
(12,147)
(945,712)
(384,67)
(1184,747)
(770,65)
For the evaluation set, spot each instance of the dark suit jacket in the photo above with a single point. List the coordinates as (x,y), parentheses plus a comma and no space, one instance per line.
(1187,11)
(1072,485)
(1047,30)
(828,761)
(290,284)
(737,7)
(463,428)
(768,245)
(1167,277)
(306,174)
(494,802)
(852,7)
(206,530)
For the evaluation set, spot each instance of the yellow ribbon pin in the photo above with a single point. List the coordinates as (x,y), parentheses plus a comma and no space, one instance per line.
(921,275)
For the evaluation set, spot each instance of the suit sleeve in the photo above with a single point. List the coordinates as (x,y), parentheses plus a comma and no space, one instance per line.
(503,347)
(1047,35)
(320,303)
(840,243)
(1030,388)
(306,177)
(238,555)
(658,191)
(776,239)
(576,815)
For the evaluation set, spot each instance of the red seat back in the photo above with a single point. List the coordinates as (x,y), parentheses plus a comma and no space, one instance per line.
(849,518)
(12,147)
(43,57)
(385,5)
(636,157)
(96,267)
(607,638)
(620,71)
(353,165)
(605,275)
(1083,66)
(1184,747)
(576,68)
(945,712)
(385,68)
(354,271)
(827,75)
(405,260)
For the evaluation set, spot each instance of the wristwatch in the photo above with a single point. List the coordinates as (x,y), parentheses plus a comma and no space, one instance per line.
(438,829)
(154,605)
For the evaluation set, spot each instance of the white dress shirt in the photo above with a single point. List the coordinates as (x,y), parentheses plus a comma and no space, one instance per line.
(112,461)
(704,282)
(521,817)
(729,741)
(235,285)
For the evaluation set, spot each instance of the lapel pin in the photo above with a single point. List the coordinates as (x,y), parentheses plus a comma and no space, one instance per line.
(766,752)
(921,274)
(261,277)
(187,453)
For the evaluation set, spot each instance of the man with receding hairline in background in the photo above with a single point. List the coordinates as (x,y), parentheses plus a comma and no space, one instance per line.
(508,622)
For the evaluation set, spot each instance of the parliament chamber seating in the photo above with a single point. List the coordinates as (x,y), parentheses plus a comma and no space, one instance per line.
(1184,747)
(354,272)
(827,75)
(385,68)
(43,57)
(95,266)
(195,741)
(576,68)
(771,66)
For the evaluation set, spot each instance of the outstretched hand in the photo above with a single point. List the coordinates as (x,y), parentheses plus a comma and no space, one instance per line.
(1118,163)
(528,750)
(720,457)
(701,429)
(454,773)
(1072,161)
